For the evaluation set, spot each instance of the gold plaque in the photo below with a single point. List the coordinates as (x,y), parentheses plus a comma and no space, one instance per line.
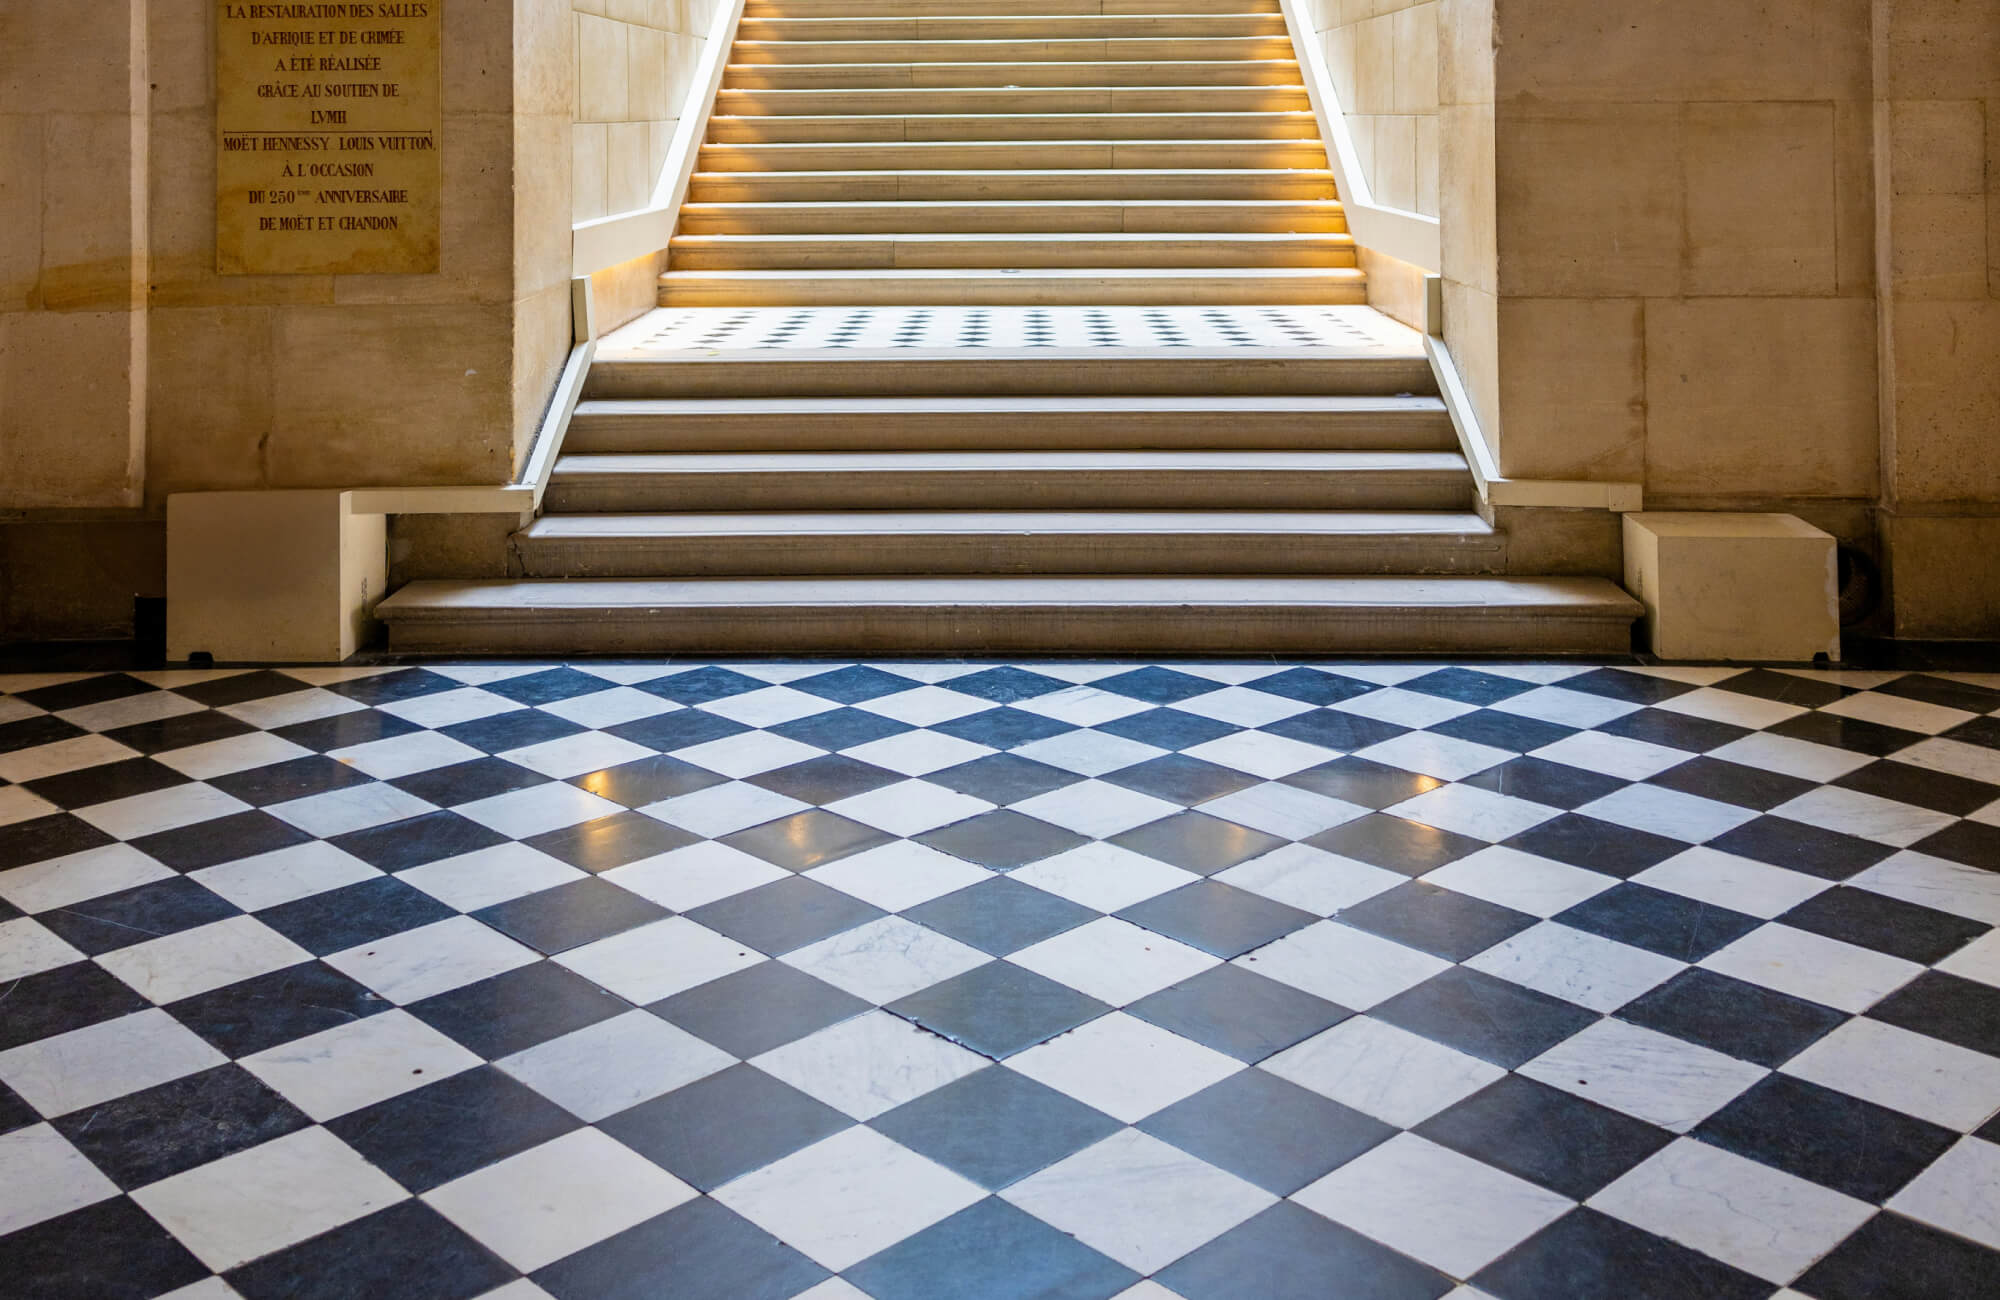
(326,132)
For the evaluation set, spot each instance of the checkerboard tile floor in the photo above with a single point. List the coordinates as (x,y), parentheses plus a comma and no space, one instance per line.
(964,980)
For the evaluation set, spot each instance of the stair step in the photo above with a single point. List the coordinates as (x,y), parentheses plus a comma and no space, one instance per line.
(877,128)
(1005,27)
(930,251)
(899,8)
(882,542)
(1012,155)
(1014,99)
(819,423)
(1073,217)
(1281,71)
(1136,286)
(1142,50)
(999,615)
(1075,480)
(1011,186)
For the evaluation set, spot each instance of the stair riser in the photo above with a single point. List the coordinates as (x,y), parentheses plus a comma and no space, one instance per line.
(1278,71)
(1109,290)
(987,629)
(934,553)
(884,129)
(1027,374)
(1142,50)
(832,489)
(1006,187)
(1138,99)
(1012,156)
(1022,27)
(998,218)
(805,252)
(1030,8)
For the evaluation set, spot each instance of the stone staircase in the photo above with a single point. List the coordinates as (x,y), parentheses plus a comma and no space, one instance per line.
(1029,328)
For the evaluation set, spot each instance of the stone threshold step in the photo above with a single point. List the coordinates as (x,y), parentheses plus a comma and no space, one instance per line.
(900,126)
(1184,613)
(908,100)
(1124,184)
(1025,26)
(1009,155)
(1001,8)
(912,250)
(1037,286)
(1120,49)
(1180,217)
(1281,70)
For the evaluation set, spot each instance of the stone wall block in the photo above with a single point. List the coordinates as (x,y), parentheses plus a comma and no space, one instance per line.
(1939,248)
(66,417)
(1572,382)
(1589,200)
(1937,146)
(212,389)
(20,211)
(90,249)
(1947,403)
(601,46)
(1761,209)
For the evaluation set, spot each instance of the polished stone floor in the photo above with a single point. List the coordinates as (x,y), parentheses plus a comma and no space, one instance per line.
(922,980)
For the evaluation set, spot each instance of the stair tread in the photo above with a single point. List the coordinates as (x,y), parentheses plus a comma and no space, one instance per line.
(578,464)
(1302,405)
(1020,237)
(839,523)
(1037,273)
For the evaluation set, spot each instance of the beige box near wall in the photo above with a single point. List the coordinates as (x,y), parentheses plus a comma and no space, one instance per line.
(1735,587)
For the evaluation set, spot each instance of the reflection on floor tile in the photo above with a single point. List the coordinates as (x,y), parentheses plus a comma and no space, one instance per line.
(922,979)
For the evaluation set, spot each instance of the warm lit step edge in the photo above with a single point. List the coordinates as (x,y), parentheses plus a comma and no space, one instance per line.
(1013,128)
(1282,70)
(919,251)
(1012,155)
(1125,287)
(912,100)
(1067,216)
(936,26)
(1133,184)
(1111,49)
(999,8)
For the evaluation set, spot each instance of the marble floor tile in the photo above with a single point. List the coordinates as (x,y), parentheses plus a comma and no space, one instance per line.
(1380,1070)
(868,1064)
(1124,1066)
(1660,1079)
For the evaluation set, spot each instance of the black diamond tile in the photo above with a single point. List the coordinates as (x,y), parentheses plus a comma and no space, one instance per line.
(569,916)
(1633,688)
(56,1001)
(358,913)
(995,1126)
(1674,730)
(1852,734)
(1312,686)
(1979,731)
(1167,728)
(606,842)
(1786,688)
(1000,916)
(443,1130)
(1195,841)
(1585,1253)
(1596,845)
(1565,1143)
(135,915)
(1333,729)
(41,838)
(547,687)
(1557,785)
(1668,924)
(112,1250)
(991,1251)
(1945,1007)
(702,685)
(826,779)
(1270,1132)
(1973,843)
(1182,780)
(156,1133)
(648,780)
(1290,1253)
(225,839)
(461,783)
(344,729)
(1733,1017)
(31,733)
(785,914)
(853,684)
(1364,782)
(998,1009)
(432,837)
(1503,730)
(251,1015)
(1468,686)
(386,688)
(517,1009)
(1007,685)
(1395,843)
(1894,1258)
(520,728)
(14,1112)
(1217,918)
(1827,1137)
(240,688)
(108,781)
(1002,840)
(725,1125)
(407,1249)
(1156,685)
(680,730)
(1004,728)
(1443,922)
(840,728)
(806,840)
(298,778)
(1939,791)
(696,1251)
(1746,787)
(99,690)
(1943,692)
(1869,920)
(1003,778)
(753,1011)
(1785,843)
(1239,1013)
(1482,1016)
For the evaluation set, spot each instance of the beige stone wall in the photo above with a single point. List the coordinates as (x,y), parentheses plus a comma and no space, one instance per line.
(635,60)
(1383,57)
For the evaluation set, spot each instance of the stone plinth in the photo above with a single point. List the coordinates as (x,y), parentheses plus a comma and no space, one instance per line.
(1739,587)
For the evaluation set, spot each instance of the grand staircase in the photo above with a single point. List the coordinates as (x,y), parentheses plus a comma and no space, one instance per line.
(1011,326)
